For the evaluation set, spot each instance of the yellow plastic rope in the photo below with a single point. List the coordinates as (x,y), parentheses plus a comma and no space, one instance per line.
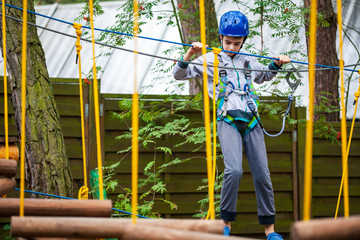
(309,123)
(23,108)
(216,52)
(84,190)
(357,95)
(135,123)
(83,193)
(206,111)
(96,105)
(6,117)
(343,114)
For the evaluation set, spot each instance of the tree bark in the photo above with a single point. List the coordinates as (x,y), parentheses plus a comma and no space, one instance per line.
(190,27)
(47,167)
(326,54)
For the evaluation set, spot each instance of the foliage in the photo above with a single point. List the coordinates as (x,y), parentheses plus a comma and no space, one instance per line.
(322,126)
(6,228)
(152,135)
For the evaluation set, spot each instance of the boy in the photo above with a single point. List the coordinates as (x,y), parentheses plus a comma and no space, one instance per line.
(236,122)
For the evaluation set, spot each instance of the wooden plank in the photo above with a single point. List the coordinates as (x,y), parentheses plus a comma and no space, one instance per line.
(189,183)
(278,162)
(325,148)
(56,207)
(8,167)
(68,105)
(332,166)
(279,144)
(246,204)
(100,228)
(326,206)
(324,229)
(323,187)
(6,185)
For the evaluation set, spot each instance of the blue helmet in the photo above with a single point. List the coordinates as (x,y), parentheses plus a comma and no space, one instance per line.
(234,24)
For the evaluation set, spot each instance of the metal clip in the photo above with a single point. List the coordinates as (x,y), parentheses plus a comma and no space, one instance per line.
(293,85)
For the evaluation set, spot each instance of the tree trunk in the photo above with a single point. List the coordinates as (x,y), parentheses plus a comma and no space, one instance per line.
(326,81)
(190,27)
(47,167)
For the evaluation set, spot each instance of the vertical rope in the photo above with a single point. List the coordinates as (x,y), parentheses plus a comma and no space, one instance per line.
(84,190)
(309,123)
(216,51)
(343,114)
(23,108)
(135,122)
(6,114)
(206,111)
(96,105)
(357,95)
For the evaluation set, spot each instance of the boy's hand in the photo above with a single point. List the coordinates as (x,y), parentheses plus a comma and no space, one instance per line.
(196,48)
(282,60)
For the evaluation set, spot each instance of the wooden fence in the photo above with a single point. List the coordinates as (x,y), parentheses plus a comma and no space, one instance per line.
(285,154)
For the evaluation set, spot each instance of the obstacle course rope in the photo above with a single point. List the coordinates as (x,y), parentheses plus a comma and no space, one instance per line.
(343,114)
(309,122)
(135,123)
(6,115)
(84,190)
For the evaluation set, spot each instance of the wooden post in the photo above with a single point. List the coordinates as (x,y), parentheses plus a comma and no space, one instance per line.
(8,167)
(328,228)
(105,228)
(6,185)
(56,207)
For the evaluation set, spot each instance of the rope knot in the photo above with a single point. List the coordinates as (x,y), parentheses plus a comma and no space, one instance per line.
(77,26)
(216,51)
(83,193)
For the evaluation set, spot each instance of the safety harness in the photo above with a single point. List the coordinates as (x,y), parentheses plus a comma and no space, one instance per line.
(247,92)
(252,100)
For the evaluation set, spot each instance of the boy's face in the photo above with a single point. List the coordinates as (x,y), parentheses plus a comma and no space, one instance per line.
(232,44)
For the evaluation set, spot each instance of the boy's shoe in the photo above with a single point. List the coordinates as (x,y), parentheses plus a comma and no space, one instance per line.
(226,231)
(274,236)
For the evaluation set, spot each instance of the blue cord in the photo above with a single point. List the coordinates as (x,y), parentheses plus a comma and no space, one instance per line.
(56,196)
(177,43)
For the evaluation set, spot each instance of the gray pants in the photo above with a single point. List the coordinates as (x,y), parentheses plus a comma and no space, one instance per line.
(232,143)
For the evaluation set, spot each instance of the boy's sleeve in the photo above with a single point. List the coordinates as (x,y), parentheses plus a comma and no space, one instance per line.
(183,71)
(261,77)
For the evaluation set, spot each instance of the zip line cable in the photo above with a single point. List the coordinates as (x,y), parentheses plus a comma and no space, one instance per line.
(162,57)
(68,198)
(178,43)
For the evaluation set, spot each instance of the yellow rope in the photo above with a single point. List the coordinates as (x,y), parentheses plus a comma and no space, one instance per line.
(216,51)
(23,108)
(343,114)
(357,95)
(207,112)
(309,123)
(135,122)
(6,117)
(84,190)
(96,105)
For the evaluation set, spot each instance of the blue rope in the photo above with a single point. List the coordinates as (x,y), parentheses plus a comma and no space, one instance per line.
(56,196)
(183,44)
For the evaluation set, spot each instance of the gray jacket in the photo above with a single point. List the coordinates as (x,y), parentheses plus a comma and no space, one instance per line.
(184,71)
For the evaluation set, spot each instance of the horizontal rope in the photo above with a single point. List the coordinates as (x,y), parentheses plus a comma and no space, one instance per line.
(156,56)
(177,43)
(68,198)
